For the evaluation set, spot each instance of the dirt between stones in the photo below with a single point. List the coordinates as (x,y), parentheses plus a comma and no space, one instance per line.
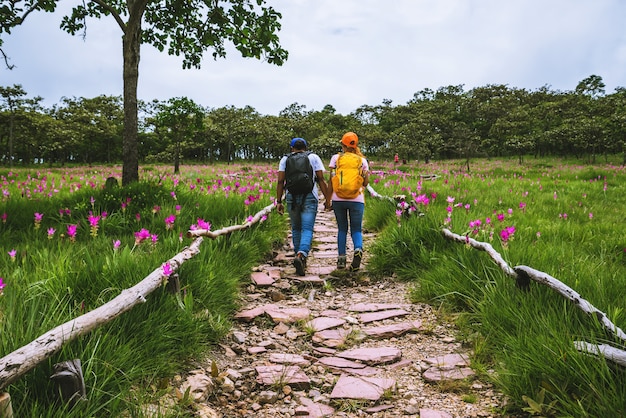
(336,344)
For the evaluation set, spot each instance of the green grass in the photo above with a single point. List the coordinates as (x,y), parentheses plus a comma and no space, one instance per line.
(53,280)
(570,225)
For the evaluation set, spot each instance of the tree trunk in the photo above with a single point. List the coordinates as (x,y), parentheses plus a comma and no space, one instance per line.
(131,45)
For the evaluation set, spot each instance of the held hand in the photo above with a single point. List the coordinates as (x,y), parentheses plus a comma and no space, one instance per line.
(280,208)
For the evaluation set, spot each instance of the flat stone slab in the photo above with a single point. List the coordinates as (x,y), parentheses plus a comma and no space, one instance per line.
(379,408)
(313,409)
(393,330)
(260,278)
(277,313)
(324,322)
(380,315)
(373,355)
(321,270)
(348,366)
(436,374)
(287,358)
(368,388)
(448,361)
(308,278)
(373,307)
(340,362)
(283,375)
(433,413)
(331,337)
(332,313)
(280,314)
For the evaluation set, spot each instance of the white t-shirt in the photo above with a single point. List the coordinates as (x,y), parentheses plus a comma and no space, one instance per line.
(366,167)
(316,165)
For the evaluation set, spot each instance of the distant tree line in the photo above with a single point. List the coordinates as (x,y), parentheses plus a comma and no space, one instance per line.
(490,121)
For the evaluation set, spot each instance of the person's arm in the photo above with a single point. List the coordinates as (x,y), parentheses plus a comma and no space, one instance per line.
(319,174)
(366,174)
(280,188)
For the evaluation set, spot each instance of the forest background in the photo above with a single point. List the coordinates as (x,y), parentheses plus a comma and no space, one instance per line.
(490,121)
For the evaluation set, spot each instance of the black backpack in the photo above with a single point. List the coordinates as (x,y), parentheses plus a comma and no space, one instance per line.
(299,173)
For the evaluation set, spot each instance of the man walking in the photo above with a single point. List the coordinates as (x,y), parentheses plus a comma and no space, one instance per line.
(297,174)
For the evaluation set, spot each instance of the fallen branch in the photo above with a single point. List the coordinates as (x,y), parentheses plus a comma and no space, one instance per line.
(25,358)
(572,295)
(484,247)
(225,231)
(524,274)
(610,353)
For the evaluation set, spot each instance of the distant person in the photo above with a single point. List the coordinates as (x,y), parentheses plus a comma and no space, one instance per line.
(297,174)
(395,160)
(348,176)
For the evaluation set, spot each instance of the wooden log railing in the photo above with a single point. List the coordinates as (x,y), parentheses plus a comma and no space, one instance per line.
(523,275)
(20,361)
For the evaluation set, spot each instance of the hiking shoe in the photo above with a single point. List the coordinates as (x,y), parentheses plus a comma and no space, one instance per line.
(300,264)
(356,260)
(341,262)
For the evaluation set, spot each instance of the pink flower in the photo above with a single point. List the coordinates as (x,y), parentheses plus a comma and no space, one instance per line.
(4,218)
(590,215)
(2,284)
(500,217)
(51,232)
(156,209)
(178,209)
(38,217)
(167,269)
(154,238)
(71,232)
(450,199)
(507,233)
(202,224)
(141,236)
(12,254)
(138,217)
(169,222)
(116,244)
(93,221)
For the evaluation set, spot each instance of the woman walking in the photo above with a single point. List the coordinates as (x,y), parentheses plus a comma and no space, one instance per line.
(349,176)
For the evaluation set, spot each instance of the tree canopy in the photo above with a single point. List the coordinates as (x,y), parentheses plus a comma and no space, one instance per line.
(186,28)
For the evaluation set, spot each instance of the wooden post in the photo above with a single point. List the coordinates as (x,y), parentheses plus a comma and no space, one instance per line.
(6,410)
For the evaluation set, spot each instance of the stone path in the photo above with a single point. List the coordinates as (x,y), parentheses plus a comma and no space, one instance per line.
(336,344)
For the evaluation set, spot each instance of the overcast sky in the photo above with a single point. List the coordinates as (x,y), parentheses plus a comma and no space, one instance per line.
(346,53)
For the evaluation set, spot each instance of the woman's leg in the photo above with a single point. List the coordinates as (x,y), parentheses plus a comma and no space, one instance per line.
(341,215)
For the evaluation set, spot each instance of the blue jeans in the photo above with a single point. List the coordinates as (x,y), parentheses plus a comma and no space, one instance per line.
(302,212)
(353,212)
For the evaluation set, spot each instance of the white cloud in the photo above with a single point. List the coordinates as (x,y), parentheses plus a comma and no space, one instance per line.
(346,53)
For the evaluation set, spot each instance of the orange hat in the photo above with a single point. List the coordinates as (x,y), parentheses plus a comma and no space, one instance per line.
(350,140)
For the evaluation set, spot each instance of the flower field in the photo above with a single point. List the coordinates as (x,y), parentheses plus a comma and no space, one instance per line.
(72,240)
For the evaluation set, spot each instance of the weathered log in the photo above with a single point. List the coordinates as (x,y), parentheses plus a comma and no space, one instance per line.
(572,295)
(225,231)
(608,352)
(484,247)
(523,273)
(25,358)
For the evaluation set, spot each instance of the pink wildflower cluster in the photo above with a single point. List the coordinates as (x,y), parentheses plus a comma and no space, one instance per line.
(143,234)
(507,233)
(2,285)
(38,218)
(169,222)
(200,224)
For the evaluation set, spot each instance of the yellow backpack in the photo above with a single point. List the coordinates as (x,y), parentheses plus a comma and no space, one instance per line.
(348,179)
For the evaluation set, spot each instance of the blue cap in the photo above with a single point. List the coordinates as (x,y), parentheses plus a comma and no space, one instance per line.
(293,142)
